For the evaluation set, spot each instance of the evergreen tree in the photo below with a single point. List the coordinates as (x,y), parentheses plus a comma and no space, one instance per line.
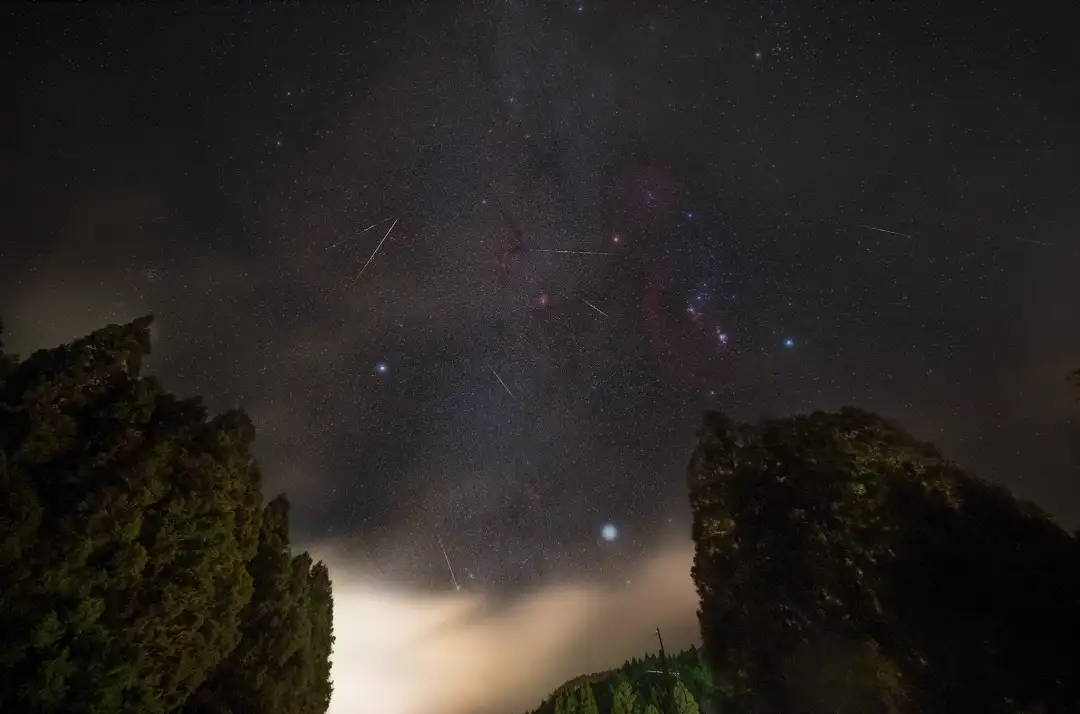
(684,700)
(586,700)
(131,542)
(624,698)
(836,548)
(560,704)
(572,701)
(128,520)
(281,665)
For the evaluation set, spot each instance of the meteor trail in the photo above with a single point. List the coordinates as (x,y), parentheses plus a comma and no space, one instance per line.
(1036,242)
(572,252)
(449,567)
(500,380)
(376,250)
(335,245)
(883,230)
(594,307)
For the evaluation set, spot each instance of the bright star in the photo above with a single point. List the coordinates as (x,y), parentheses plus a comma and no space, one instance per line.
(789,342)
(609,532)
(381,368)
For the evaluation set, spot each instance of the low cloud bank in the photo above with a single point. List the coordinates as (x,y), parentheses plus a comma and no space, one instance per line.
(402,652)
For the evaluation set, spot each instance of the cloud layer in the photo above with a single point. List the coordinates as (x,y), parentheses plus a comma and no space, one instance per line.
(412,652)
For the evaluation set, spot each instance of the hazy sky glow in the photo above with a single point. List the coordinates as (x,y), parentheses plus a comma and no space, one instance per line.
(407,652)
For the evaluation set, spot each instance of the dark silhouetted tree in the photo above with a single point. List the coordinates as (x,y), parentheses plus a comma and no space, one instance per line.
(836,552)
(281,665)
(587,700)
(624,698)
(131,532)
(128,522)
(684,700)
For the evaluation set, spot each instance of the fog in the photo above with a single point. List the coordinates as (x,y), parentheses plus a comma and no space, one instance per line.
(412,652)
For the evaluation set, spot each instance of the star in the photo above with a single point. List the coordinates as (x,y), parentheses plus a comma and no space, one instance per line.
(789,343)
(382,368)
(609,532)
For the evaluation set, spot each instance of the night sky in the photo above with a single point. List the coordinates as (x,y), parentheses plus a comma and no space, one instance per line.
(769,208)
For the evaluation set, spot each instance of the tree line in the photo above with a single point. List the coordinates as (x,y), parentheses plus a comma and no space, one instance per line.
(640,687)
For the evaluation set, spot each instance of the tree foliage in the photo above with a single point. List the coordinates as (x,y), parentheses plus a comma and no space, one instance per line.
(624,698)
(282,663)
(844,566)
(684,701)
(637,687)
(130,540)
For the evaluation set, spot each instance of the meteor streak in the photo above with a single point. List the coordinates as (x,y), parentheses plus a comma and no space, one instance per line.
(500,380)
(335,245)
(449,567)
(594,307)
(376,250)
(884,230)
(572,252)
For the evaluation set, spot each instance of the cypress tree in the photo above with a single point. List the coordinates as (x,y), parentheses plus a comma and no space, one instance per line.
(843,566)
(281,665)
(128,521)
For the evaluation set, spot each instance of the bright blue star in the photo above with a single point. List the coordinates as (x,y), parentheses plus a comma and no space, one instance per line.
(609,532)
(382,368)
(789,342)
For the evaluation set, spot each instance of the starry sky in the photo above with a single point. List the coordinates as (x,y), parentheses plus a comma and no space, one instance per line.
(476,269)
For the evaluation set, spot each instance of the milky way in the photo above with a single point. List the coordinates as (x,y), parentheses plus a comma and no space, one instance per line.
(609,217)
